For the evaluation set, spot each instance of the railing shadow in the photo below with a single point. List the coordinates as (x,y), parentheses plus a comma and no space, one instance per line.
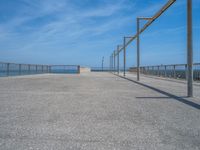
(180,99)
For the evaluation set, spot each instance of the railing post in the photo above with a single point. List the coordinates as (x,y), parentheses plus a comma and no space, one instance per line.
(79,69)
(109,64)
(47,69)
(118,59)
(114,63)
(20,69)
(165,71)
(42,69)
(158,70)
(36,69)
(8,69)
(175,71)
(29,69)
(153,70)
(50,69)
(186,72)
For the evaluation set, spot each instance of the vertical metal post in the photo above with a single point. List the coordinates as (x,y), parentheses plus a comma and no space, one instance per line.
(175,71)
(20,69)
(113,58)
(42,68)
(138,49)
(49,69)
(124,56)
(36,68)
(110,64)
(165,71)
(102,63)
(158,70)
(46,69)
(29,69)
(189,50)
(118,59)
(186,71)
(153,72)
(8,69)
(78,67)
(114,62)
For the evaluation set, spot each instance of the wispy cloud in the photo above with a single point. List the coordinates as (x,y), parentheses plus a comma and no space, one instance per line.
(68,21)
(47,25)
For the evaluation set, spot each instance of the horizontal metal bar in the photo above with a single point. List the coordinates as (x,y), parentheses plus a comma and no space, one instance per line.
(158,14)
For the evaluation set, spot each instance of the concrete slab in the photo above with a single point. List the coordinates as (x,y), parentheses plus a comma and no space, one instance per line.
(97,111)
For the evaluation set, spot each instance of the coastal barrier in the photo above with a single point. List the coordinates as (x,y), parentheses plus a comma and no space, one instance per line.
(15,69)
(176,71)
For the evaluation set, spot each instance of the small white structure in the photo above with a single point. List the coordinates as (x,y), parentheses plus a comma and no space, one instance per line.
(85,69)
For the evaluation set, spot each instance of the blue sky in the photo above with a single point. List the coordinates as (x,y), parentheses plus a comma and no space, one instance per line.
(82,31)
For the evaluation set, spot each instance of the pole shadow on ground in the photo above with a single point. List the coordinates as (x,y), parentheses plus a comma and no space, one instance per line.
(169,95)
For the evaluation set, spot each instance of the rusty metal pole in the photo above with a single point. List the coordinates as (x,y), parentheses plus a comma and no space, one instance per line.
(138,49)
(189,50)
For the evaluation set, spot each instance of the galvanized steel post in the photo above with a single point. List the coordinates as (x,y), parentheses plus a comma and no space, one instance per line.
(118,59)
(20,69)
(102,63)
(114,62)
(189,50)
(36,68)
(124,56)
(29,69)
(8,69)
(138,49)
(175,71)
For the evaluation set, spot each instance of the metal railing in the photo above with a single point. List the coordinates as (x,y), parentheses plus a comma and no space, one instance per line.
(176,71)
(100,69)
(65,69)
(14,69)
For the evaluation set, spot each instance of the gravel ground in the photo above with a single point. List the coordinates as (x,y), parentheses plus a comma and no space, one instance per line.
(97,111)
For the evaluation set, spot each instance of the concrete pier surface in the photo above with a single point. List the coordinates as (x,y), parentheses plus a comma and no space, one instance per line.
(97,111)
